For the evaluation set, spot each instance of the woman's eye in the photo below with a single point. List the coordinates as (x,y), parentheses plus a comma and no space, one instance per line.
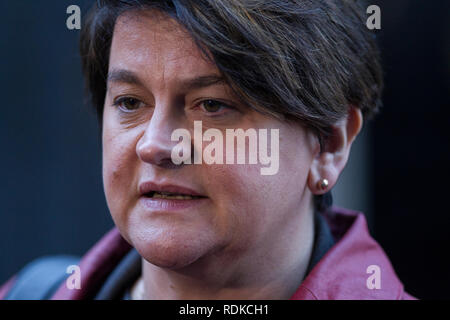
(127,104)
(213,106)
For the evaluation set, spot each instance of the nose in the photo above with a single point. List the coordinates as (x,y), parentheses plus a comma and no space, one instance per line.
(155,145)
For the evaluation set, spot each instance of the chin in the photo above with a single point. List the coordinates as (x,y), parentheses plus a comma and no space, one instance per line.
(172,250)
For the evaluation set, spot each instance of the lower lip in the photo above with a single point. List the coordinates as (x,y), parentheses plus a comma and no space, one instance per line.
(170,204)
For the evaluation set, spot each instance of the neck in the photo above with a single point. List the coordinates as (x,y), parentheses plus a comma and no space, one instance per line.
(274,271)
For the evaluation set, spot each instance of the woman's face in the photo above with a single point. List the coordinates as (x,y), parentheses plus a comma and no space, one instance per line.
(148,97)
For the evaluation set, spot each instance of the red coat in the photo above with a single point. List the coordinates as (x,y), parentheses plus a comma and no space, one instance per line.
(341,274)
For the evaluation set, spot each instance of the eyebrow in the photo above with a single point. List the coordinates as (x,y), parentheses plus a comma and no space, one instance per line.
(126,76)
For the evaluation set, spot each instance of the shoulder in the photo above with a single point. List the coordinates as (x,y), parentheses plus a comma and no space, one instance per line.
(39,279)
(356,267)
(45,278)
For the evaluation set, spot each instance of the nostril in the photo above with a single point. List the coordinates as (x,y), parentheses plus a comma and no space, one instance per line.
(155,145)
(155,152)
(168,164)
(160,158)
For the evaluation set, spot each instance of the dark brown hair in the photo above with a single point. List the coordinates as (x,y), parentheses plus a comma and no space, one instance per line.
(303,60)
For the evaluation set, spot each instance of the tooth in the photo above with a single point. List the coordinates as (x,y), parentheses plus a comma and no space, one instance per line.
(163,195)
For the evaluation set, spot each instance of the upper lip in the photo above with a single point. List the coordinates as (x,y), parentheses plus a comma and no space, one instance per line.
(149,186)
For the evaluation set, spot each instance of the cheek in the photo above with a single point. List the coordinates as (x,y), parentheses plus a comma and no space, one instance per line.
(246,204)
(119,165)
(232,188)
(251,204)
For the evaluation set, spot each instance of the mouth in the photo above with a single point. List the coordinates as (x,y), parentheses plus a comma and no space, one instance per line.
(171,196)
(168,192)
(166,198)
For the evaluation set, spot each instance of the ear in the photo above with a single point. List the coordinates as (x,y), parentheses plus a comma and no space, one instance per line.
(331,160)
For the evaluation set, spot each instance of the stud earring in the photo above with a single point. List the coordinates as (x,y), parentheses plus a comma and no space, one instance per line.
(322,184)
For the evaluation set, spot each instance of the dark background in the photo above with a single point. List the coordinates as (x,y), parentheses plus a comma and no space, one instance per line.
(411,147)
(50,153)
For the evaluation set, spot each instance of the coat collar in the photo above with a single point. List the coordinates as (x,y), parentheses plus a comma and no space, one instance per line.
(340,274)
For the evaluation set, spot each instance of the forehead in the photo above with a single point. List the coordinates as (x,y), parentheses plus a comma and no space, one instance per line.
(153,44)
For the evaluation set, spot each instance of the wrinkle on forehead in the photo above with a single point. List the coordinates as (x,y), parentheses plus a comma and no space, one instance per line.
(169,51)
(164,31)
